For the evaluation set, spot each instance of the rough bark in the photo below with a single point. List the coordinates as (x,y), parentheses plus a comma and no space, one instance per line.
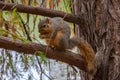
(99,24)
(101,29)
(31,48)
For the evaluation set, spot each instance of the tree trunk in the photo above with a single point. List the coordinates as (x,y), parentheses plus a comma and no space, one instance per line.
(101,28)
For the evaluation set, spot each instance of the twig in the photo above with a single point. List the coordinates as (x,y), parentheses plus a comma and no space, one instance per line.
(42,70)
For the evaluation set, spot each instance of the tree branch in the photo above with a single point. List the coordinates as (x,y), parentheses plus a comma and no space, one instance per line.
(40,11)
(30,48)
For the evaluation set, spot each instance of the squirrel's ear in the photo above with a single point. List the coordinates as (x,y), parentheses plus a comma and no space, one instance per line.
(47,20)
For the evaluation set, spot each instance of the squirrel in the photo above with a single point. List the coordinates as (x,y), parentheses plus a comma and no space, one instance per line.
(56,33)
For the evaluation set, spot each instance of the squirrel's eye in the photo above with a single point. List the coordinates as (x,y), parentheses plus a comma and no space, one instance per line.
(43,26)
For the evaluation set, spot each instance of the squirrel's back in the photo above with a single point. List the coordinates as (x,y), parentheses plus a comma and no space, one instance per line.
(63,25)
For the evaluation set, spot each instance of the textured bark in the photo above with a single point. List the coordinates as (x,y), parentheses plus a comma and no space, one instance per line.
(31,48)
(101,29)
(99,24)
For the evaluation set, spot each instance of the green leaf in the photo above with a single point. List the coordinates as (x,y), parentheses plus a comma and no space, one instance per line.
(42,55)
(10,63)
(3,32)
(14,12)
(1,14)
(6,12)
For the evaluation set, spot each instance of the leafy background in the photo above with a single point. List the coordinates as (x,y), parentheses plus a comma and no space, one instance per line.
(22,26)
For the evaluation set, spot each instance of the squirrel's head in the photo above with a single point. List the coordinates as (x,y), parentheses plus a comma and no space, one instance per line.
(45,28)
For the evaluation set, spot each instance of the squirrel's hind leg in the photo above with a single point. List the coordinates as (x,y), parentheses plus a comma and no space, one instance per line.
(63,43)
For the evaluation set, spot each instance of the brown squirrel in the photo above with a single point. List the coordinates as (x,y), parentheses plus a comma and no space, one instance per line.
(57,33)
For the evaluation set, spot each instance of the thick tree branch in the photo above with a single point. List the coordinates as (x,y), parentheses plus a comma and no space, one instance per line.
(40,11)
(30,48)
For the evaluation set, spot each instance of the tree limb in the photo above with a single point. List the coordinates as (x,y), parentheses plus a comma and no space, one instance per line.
(40,11)
(30,48)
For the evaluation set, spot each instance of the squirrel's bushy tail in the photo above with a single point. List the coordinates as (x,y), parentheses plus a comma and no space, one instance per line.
(86,51)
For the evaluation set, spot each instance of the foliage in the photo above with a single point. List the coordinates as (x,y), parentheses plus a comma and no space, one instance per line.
(42,55)
(24,27)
